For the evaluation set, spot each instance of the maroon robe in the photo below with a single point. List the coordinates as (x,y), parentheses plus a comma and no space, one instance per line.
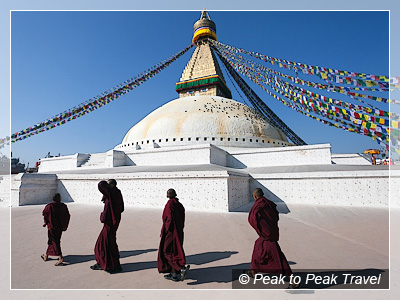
(170,253)
(56,216)
(267,255)
(106,249)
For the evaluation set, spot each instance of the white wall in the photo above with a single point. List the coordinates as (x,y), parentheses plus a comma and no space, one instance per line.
(188,155)
(283,156)
(33,188)
(221,190)
(5,190)
(68,162)
(394,187)
(238,191)
(351,159)
(193,155)
(200,190)
(344,188)
(218,190)
(116,158)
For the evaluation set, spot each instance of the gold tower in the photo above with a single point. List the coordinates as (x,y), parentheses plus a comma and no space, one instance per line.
(202,75)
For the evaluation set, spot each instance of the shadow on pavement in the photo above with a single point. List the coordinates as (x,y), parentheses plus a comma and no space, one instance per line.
(207,257)
(138,266)
(195,259)
(124,254)
(77,259)
(220,274)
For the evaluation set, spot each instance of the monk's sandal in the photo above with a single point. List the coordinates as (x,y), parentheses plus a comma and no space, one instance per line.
(184,272)
(170,277)
(96,267)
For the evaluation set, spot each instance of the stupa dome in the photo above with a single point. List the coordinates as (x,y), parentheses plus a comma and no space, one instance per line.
(203,119)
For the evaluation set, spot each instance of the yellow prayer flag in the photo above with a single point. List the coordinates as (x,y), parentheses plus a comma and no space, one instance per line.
(370,83)
(384,78)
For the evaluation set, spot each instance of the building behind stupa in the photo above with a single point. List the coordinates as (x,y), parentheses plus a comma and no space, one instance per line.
(212,150)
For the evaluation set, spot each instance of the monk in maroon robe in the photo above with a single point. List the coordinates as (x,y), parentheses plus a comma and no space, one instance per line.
(267,255)
(106,249)
(56,217)
(171,256)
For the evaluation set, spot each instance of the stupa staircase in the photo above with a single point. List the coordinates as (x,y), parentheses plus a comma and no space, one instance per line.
(95,160)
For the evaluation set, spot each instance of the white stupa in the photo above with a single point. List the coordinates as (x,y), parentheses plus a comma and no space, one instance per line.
(212,150)
(203,119)
(204,113)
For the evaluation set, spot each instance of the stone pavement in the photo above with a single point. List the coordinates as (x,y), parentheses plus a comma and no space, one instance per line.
(317,237)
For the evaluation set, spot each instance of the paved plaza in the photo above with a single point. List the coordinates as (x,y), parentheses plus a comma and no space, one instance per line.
(318,237)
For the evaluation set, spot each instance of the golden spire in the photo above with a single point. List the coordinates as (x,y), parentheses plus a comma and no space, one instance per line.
(204,28)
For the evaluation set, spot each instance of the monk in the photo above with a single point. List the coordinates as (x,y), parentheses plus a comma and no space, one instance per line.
(171,256)
(106,249)
(267,255)
(56,217)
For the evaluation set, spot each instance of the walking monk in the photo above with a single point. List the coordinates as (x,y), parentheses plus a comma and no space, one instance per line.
(267,255)
(56,217)
(171,256)
(106,249)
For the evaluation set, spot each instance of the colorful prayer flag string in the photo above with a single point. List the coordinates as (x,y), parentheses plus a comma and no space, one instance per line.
(262,71)
(364,120)
(313,70)
(93,103)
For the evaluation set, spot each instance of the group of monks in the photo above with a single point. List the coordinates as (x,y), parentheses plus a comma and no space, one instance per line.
(263,217)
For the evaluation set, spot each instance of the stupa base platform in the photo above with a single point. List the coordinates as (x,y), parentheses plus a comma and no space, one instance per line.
(216,188)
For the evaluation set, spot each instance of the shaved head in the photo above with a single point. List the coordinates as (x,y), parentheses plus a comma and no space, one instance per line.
(171,193)
(57,197)
(112,182)
(258,193)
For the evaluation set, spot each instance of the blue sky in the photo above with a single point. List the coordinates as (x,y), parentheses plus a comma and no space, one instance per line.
(60,59)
